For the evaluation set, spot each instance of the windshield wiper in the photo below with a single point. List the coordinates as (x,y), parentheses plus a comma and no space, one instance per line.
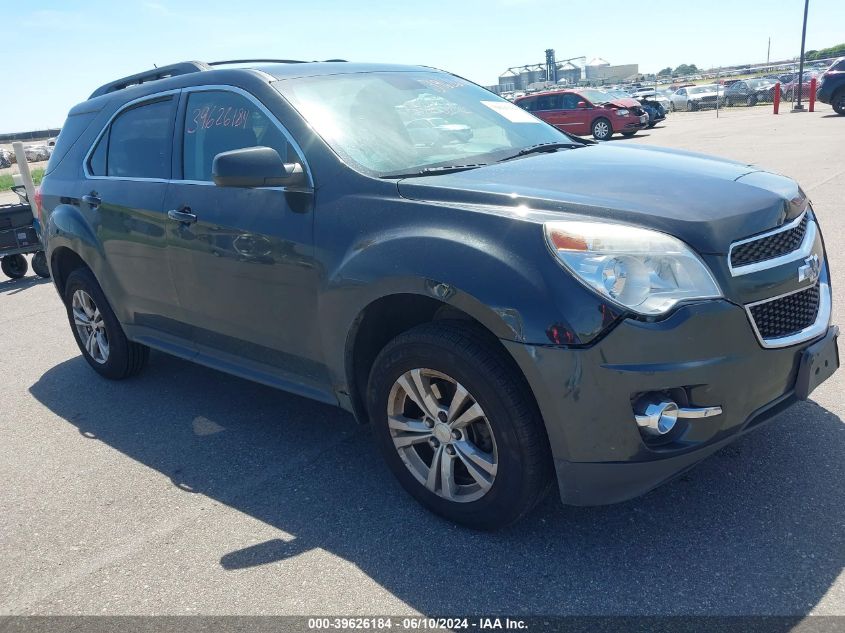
(541,148)
(435,171)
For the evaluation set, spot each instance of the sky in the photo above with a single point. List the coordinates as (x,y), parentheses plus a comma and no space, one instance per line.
(73,46)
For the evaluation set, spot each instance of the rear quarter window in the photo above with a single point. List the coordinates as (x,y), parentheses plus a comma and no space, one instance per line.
(73,128)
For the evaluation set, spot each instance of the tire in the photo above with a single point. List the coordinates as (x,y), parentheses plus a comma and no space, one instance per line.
(601,129)
(838,102)
(14,266)
(671,106)
(630,134)
(727,103)
(506,434)
(692,106)
(111,355)
(751,101)
(39,265)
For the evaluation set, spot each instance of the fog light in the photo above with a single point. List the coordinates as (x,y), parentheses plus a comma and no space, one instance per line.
(658,418)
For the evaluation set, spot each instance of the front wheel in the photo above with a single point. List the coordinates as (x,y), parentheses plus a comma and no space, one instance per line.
(14,266)
(457,425)
(98,332)
(39,265)
(751,101)
(692,106)
(602,129)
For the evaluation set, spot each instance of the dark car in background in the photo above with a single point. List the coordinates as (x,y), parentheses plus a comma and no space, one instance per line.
(832,86)
(508,311)
(587,111)
(748,92)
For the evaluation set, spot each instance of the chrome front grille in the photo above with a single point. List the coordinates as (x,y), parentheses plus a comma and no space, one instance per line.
(771,246)
(799,315)
(784,316)
(787,243)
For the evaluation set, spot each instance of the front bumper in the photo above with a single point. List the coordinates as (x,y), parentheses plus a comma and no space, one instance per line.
(706,353)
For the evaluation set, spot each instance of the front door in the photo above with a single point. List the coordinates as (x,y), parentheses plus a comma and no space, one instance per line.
(242,258)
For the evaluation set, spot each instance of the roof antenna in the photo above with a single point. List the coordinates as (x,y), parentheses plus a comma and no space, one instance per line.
(155,65)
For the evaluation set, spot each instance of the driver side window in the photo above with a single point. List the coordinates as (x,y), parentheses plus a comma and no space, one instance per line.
(219,121)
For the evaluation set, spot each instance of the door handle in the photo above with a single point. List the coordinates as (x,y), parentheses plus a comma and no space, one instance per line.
(183,216)
(92,200)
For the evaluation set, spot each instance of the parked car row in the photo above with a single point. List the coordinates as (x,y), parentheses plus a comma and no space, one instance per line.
(590,111)
(34,153)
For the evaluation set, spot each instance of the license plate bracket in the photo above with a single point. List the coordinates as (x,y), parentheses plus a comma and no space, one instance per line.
(818,362)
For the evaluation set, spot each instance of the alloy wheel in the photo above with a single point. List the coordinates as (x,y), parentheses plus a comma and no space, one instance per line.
(90,326)
(442,435)
(601,130)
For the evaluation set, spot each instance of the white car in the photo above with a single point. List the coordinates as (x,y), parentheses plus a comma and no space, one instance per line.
(694,98)
(37,153)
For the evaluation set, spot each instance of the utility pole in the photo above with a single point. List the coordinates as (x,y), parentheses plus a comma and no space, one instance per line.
(798,107)
(768,53)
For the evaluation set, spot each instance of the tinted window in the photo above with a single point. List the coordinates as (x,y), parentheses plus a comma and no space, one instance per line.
(548,102)
(570,102)
(97,162)
(528,104)
(839,65)
(139,141)
(219,121)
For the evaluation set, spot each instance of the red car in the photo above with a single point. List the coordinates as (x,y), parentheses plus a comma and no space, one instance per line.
(587,111)
(790,90)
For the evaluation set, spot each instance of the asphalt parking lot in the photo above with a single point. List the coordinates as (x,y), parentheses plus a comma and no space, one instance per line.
(189,491)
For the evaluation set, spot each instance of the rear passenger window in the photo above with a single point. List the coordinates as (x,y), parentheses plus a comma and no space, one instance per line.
(219,121)
(139,142)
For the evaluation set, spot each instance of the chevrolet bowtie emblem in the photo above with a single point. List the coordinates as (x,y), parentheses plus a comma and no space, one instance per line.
(811,270)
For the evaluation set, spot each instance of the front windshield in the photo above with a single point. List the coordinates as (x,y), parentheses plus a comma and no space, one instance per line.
(391,123)
(699,89)
(756,83)
(595,96)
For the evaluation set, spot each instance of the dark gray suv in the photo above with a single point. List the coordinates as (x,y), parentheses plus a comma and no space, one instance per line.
(506,304)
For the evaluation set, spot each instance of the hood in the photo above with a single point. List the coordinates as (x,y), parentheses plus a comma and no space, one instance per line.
(699,95)
(623,102)
(706,202)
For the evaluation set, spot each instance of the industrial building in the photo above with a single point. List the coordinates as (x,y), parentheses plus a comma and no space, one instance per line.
(572,71)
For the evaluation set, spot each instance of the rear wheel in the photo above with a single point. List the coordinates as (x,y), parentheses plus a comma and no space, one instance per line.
(601,129)
(838,102)
(458,427)
(97,331)
(39,265)
(14,266)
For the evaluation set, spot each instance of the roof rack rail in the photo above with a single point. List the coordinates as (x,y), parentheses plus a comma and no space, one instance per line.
(172,70)
(269,61)
(183,68)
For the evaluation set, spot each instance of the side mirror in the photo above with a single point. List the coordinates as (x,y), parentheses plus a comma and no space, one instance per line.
(255,167)
(582,104)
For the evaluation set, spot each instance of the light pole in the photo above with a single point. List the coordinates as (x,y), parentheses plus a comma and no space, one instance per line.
(798,107)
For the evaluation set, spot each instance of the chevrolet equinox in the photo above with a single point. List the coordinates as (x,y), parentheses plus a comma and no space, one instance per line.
(507,305)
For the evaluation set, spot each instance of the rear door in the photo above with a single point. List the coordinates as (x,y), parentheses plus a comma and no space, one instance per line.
(126,176)
(242,263)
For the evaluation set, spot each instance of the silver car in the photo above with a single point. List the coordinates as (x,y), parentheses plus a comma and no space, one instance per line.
(694,98)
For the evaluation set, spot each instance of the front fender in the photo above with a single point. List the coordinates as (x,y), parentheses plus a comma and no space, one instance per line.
(508,283)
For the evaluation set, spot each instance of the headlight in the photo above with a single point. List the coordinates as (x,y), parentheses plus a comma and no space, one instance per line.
(622,112)
(645,271)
